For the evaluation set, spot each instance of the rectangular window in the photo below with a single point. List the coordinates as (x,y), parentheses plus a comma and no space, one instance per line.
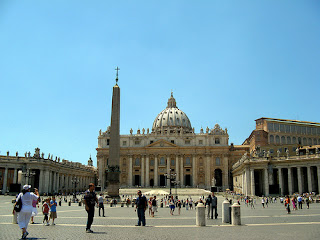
(151,162)
(217,140)
(282,128)
(108,142)
(151,141)
(172,141)
(136,142)
(187,170)
(270,127)
(172,162)
(187,142)
(200,142)
(276,127)
(124,143)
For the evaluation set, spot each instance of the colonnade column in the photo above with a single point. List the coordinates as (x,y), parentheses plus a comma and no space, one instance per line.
(177,168)
(143,158)
(15,173)
(280,181)
(253,190)
(318,171)
(168,171)
(147,171)
(290,181)
(5,177)
(299,180)
(208,171)
(46,181)
(181,171)
(248,185)
(130,171)
(54,185)
(156,184)
(194,171)
(243,183)
(41,181)
(309,179)
(266,182)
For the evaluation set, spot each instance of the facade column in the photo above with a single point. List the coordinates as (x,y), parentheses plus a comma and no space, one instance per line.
(194,171)
(46,181)
(290,181)
(299,180)
(253,189)
(5,177)
(266,182)
(177,168)
(168,170)
(243,182)
(41,178)
(181,170)
(248,185)
(156,184)
(15,175)
(280,181)
(54,185)
(318,171)
(147,171)
(143,158)
(225,175)
(309,179)
(130,171)
(208,171)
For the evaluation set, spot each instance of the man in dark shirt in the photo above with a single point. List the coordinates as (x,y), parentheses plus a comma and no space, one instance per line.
(141,206)
(90,200)
(214,203)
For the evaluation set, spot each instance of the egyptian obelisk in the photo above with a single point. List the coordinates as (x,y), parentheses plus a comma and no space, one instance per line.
(113,168)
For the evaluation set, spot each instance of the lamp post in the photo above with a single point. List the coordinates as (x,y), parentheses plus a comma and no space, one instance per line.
(176,183)
(75,181)
(171,176)
(28,174)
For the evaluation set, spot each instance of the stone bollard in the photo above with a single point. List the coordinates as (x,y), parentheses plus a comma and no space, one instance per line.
(201,215)
(235,215)
(226,211)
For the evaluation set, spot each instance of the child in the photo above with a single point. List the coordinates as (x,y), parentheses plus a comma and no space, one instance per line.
(45,211)
(53,209)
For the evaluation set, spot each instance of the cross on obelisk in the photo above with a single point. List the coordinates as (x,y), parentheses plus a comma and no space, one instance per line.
(117,69)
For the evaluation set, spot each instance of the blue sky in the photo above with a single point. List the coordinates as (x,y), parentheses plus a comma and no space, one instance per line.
(227,62)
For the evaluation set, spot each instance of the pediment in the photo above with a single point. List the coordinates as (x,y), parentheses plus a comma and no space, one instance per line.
(161,144)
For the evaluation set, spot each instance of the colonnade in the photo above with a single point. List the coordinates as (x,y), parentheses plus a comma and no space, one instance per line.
(295,179)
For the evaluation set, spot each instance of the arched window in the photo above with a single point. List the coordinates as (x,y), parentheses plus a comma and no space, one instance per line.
(288,140)
(188,162)
(277,139)
(162,161)
(309,141)
(271,139)
(305,141)
(200,161)
(137,162)
(294,140)
(218,161)
(283,140)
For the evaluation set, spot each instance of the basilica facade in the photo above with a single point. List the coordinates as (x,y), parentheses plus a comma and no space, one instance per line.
(172,153)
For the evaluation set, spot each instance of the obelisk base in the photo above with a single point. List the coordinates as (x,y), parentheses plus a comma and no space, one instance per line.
(113,183)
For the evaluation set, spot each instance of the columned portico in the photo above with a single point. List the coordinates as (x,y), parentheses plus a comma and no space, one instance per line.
(182,172)
(177,167)
(168,171)
(248,185)
(130,171)
(143,158)
(280,181)
(290,183)
(309,179)
(5,178)
(208,171)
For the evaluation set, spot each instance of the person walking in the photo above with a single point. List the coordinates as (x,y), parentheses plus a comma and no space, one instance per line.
(287,204)
(34,210)
(90,199)
(172,205)
(53,210)
(214,204)
(141,207)
(208,204)
(299,202)
(26,210)
(154,205)
(45,211)
(101,205)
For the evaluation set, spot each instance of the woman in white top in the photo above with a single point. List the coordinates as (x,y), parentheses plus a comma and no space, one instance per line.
(26,210)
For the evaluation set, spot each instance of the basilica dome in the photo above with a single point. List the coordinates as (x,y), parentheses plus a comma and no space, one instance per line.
(171,118)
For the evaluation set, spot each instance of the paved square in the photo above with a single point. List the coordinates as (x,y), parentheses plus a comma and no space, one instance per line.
(269,223)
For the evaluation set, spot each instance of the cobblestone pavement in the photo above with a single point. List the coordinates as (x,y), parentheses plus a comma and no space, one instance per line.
(268,223)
